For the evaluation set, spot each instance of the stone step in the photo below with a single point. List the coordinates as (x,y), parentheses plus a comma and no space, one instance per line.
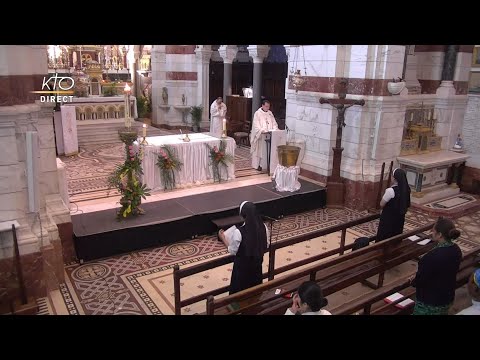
(97,132)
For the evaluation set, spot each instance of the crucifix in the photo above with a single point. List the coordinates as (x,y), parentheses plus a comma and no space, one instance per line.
(335,193)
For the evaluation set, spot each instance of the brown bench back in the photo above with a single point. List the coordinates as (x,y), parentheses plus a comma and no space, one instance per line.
(333,275)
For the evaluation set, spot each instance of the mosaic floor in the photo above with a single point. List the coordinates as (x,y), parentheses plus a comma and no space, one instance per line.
(88,171)
(142,282)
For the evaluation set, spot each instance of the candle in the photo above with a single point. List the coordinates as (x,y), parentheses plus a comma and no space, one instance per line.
(127,105)
(144,130)
(411,117)
(224,125)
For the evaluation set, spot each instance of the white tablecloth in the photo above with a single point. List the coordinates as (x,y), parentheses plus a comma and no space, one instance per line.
(194,155)
(287,178)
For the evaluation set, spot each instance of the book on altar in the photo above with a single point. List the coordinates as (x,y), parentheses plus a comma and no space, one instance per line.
(401,305)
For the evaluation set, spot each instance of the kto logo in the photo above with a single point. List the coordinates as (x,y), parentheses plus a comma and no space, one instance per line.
(61,86)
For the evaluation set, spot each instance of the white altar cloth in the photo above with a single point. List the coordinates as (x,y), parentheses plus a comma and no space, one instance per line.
(194,155)
(286,178)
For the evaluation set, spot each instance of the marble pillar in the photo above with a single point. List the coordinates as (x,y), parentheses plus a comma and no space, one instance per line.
(38,236)
(203,54)
(258,54)
(160,107)
(228,54)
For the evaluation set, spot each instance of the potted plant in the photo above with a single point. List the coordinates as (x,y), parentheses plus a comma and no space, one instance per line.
(196,112)
(396,86)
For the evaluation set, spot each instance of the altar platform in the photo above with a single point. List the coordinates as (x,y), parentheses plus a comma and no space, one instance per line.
(173,218)
(433,176)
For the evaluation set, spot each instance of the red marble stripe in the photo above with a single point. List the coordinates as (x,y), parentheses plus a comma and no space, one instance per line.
(182,75)
(442,48)
(16,89)
(431,86)
(356,86)
(466,48)
(430,48)
(180,49)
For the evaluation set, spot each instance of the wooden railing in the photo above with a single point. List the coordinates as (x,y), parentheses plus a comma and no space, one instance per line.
(179,274)
(366,301)
(333,275)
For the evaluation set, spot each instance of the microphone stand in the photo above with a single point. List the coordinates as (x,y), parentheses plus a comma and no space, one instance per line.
(271,220)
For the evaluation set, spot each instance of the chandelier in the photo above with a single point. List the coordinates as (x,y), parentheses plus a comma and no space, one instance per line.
(297,79)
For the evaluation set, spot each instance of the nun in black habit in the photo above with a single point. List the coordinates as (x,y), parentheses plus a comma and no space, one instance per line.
(248,243)
(395,203)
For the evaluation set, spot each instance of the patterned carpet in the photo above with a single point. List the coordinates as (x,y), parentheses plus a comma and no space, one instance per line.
(142,282)
(88,171)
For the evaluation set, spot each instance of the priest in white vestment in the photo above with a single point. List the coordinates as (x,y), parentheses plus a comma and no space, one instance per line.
(263,121)
(218,110)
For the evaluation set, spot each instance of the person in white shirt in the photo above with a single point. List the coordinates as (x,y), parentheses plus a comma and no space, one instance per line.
(263,121)
(308,300)
(473,287)
(248,243)
(218,111)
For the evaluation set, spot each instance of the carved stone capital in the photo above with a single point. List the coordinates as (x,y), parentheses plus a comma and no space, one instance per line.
(228,53)
(203,53)
(258,52)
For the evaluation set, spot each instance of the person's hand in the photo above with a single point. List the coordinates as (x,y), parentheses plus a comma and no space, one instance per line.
(295,304)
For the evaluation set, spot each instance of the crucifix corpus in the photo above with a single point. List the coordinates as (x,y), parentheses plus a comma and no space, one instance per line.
(335,185)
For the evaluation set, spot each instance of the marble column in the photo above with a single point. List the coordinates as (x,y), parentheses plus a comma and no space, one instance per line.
(39,241)
(228,54)
(133,71)
(159,63)
(411,80)
(446,87)
(258,54)
(449,62)
(203,54)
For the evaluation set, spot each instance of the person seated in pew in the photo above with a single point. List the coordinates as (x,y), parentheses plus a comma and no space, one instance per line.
(308,300)
(394,204)
(473,287)
(436,277)
(248,243)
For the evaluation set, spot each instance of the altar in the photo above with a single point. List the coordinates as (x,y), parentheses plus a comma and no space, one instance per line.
(433,175)
(194,155)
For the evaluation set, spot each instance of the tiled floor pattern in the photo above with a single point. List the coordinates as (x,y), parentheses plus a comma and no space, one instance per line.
(87,172)
(142,282)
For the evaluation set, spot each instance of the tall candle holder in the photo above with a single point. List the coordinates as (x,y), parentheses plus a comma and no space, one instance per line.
(144,141)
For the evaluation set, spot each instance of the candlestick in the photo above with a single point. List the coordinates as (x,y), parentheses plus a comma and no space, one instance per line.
(144,130)
(127,106)
(224,132)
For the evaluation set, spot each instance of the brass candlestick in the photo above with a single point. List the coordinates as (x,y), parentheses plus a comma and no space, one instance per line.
(144,141)
(224,133)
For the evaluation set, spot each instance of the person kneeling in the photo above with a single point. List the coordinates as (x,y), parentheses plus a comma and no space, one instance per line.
(308,300)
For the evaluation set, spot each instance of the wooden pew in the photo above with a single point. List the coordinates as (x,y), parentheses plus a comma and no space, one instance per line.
(373,302)
(179,274)
(332,275)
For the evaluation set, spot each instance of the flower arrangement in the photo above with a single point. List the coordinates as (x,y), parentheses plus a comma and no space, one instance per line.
(126,179)
(219,157)
(168,163)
